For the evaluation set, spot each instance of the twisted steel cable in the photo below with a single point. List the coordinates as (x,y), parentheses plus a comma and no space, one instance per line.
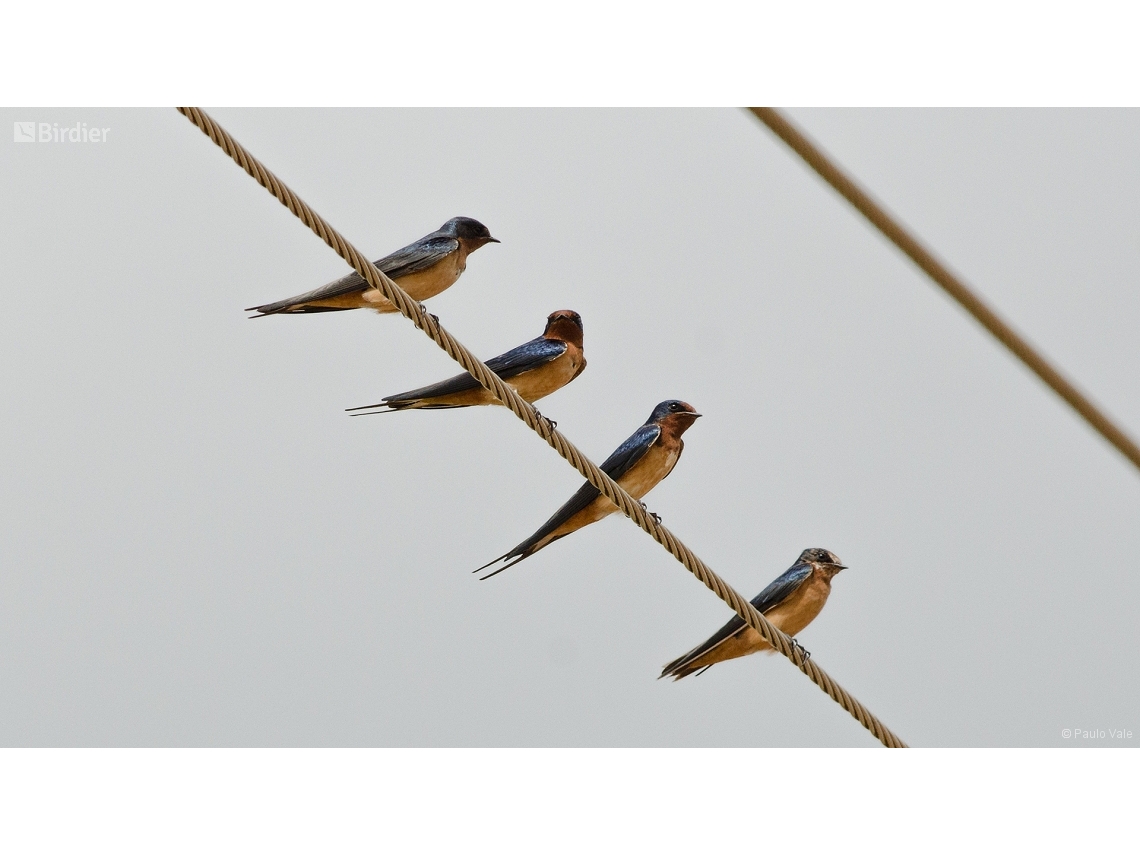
(897,234)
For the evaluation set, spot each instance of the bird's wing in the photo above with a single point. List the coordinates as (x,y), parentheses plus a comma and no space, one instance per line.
(525,357)
(631,451)
(418,256)
(412,258)
(783,587)
(616,465)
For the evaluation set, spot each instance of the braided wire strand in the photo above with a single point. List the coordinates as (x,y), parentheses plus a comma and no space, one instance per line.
(897,234)
(629,506)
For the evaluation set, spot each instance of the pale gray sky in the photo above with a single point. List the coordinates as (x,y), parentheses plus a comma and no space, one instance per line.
(200,548)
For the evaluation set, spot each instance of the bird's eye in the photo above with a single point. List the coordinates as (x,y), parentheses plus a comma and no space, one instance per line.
(674,406)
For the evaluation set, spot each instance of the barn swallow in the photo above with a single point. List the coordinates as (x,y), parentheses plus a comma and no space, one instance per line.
(639,464)
(791,603)
(423,269)
(536,369)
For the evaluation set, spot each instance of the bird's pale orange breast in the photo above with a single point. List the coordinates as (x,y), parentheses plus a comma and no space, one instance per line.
(802,607)
(649,471)
(421,285)
(533,385)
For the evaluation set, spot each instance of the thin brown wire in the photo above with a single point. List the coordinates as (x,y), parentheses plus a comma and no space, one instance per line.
(610,488)
(894,231)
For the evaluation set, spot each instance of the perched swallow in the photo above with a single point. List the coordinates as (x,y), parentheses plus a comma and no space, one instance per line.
(536,369)
(423,269)
(639,464)
(791,603)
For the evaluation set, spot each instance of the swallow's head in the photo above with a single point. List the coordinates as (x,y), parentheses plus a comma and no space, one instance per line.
(564,325)
(826,560)
(676,416)
(472,232)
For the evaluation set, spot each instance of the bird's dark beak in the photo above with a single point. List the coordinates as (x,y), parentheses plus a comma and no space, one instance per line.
(695,415)
(840,566)
(493,240)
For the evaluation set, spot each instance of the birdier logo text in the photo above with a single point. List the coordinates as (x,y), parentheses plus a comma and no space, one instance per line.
(53,132)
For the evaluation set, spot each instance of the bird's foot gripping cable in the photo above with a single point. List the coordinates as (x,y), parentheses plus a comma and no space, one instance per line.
(655,517)
(802,650)
(550,422)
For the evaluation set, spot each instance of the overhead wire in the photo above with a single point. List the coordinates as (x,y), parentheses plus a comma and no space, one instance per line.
(893,229)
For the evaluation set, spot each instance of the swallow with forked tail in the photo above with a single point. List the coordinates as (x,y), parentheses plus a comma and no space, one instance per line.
(791,602)
(423,269)
(639,464)
(536,369)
